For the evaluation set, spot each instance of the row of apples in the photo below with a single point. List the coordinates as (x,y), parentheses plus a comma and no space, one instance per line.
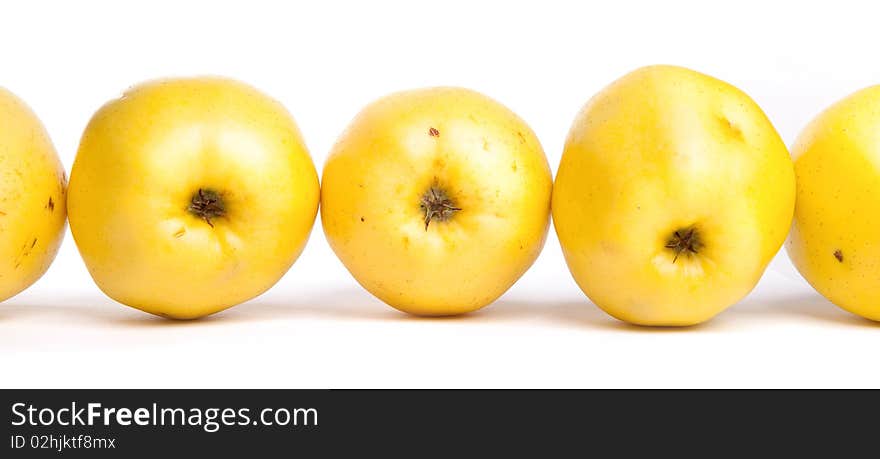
(191,195)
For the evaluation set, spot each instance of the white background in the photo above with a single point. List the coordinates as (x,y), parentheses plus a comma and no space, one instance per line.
(325,60)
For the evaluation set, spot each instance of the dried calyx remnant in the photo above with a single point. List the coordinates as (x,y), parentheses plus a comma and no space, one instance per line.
(684,241)
(436,205)
(207,204)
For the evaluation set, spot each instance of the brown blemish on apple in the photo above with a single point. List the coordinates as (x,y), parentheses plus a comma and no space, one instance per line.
(180,233)
(433,132)
(522,138)
(25,251)
(838,255)
(50,205)
(362,218)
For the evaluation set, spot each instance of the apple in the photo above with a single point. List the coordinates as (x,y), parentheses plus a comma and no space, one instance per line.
(436,200)
(32,197)
(835,238)
(191,195)
(673,194)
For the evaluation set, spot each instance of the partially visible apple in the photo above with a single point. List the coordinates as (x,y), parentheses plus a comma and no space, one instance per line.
(32,196)
(835,239)
(673,194)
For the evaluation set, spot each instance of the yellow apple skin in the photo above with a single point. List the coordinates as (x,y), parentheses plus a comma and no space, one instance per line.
(32,193)
(481,155)
(835,238)
(137,175)
(661,150)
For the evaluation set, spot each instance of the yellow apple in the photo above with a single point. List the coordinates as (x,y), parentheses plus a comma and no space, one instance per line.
(673,194)
(32,193)
(835,239)
(191,195)
(436,200)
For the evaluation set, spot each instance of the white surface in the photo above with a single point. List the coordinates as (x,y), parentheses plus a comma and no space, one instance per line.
(543,59)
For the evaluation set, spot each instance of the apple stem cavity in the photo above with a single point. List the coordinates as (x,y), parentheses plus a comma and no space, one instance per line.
(437,206)
(207,204)
(684,241)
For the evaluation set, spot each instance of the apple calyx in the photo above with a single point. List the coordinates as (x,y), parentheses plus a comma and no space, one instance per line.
(686,240)
(436,205)
(207,204)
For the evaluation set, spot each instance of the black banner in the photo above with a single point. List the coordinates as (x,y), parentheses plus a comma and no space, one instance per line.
(135,423)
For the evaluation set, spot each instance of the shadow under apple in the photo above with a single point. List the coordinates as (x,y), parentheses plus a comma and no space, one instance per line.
(357,304)
(809,306)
